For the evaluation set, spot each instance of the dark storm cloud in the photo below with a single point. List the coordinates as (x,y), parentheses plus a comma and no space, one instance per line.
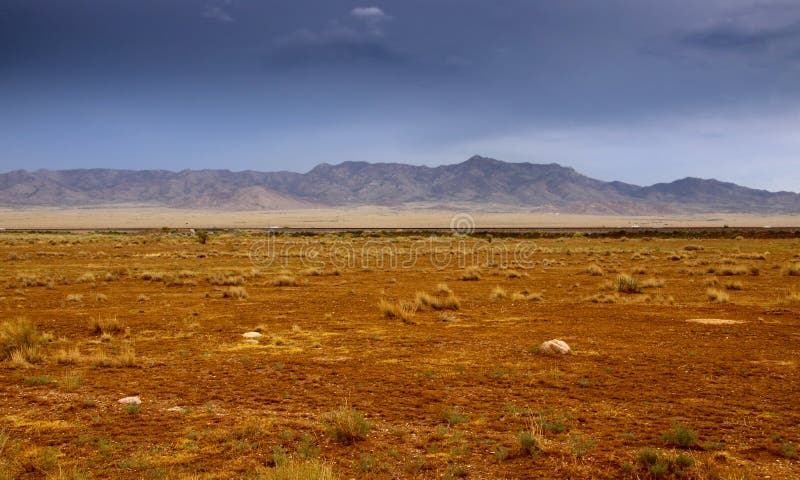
(425,81)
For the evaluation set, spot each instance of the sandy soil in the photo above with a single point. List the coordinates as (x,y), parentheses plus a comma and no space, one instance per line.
(361,217)
(447,393)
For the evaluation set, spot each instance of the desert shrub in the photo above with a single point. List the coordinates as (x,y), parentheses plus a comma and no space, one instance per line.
(68,357)
(712,282)
(691,248)
(792,269)
(346,425)
(202,236)
(514,274)
(20,341)
(296,470)
(235,292)
(446,302)
(471,274)
(107,325)
(626,284)
(86,278)
(285,281)
(74,297)
(717,295)
(454,415)
(402,310)
(733,270)
(680,436)
(735,285)
(498,293)
(226,279)
(525,295)
(595,270)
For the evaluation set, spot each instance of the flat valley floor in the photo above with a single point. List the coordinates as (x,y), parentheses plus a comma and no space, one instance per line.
(398,357)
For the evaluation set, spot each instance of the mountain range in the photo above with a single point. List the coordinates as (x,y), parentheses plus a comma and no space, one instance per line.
(479,180)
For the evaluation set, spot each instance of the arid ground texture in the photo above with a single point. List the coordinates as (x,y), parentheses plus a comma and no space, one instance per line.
(396,356)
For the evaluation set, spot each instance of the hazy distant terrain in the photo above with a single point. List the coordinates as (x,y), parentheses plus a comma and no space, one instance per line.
(538,187)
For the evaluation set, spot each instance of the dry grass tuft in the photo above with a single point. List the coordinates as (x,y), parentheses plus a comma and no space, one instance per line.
(717,295)
(86,278)
(296,470)
(792,269)
(525,295)
(346,425)
(514,274)
(402,309)
(626,284)
(285,281)
(471,274)
(446,302)
(20,341)
(74,297)
(498,293)
(238,293)
(108,325)
(68,357)
(595,270)
(226,279)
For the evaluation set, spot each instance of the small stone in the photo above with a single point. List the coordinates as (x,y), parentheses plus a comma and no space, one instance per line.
(131,400)
(554,347)
(252,335)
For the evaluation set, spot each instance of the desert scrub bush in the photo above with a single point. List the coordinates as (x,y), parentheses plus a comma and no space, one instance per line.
(346,425)
(86,278)
(717,296)
(105,325)
(68,357)
(733,285)
(525,295)
(595,270)
(153,276)
(291,469)
(792,269)
(226,279)
(454,415)
(74,297)
(498,293)
(602,298)
(100,297)
(733,270)
(285,281)
(202,236)
(402,309)
(125,357)
(470,274)
(514,274)
(238,293)
(712,282)
(446,302)
(626,284)
(660,465)
(691,248)
(141,298)
(680,436)
(443,289)
(792,298)
(20,341)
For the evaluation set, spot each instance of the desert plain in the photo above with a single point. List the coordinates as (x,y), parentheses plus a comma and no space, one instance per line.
(398,355)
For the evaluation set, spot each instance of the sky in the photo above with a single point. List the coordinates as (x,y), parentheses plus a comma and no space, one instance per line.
(641,91)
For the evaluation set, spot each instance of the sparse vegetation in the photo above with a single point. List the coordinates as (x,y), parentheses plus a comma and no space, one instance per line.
(626,284)
(717,295)
(238,293)
(346,425)
(471,274)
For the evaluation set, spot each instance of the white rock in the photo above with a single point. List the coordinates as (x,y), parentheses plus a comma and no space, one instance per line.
(252,335)
(554,347)
(131,400)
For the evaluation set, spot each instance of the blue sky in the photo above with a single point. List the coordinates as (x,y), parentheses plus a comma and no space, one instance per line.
(640,91)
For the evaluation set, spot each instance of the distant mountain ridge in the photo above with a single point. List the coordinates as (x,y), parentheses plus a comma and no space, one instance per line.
(478,180)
